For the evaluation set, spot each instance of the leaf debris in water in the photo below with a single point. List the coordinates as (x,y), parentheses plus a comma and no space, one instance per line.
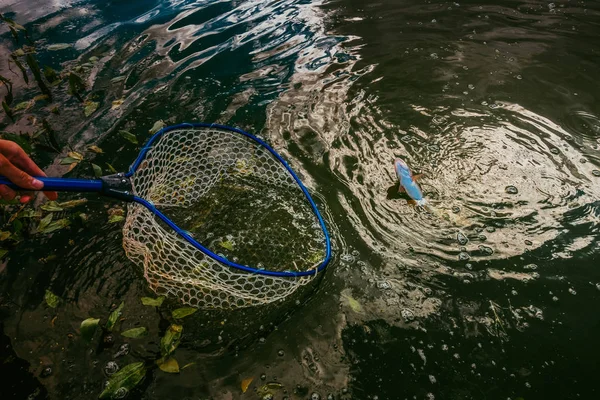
(97,170)
(115,218)
(158,125)
(90,107)
(51,206)
(129,136)
(171,340)
(246,383)
(88,328)
(58,46)
(353,303)
(183,312)
(95,149)
(117,103)
(51,299)
(56,225)
(72,203)
(149,301)
(227,245)
(135,332)
(127,378)
(170,365)
(114,317)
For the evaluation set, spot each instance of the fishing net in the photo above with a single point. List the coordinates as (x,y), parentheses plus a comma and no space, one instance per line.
(247,233)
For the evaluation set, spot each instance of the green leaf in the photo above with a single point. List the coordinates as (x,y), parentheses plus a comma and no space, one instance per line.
(129,136)
(20,66)
(56,225)
(111,168)
(149,301)
(24,105)
(51,75)
(158,125)
(114,317)
(227,245)
(135,332)
(183,312)
(69,161)
(90,107)
(8,111)
(115,218)
(4,235)
(51,206)
(88,328)
(171,340)
(44,222)
(354,305)
(76,84)
(3,252)
(58,46)
(170,365)
(97,170)
(51,299)
(127,378)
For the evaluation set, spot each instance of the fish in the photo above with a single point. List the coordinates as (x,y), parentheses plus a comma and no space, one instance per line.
(408,182)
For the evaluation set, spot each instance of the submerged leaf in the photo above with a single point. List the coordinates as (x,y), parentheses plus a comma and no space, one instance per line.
(114,317)
(118,79)
(158,125)
(72,203)
(171,340)
(95,149)
(90,107)
(69,161)
(97,170)
(56,225)
(170,365)
(149,301)
(88,328)
(227,245)
(4,235)
(75,155)
(58,46)
(51,299)
(3,252)
(44,222)
(354,305)
(127,378)
(111,168)
(115,218)
(135,332)
(51,206)
(129,136)
(183,312)
(117,103)
(246,383)
(24,105)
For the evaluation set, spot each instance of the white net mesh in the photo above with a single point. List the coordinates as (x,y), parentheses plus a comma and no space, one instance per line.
(236,199)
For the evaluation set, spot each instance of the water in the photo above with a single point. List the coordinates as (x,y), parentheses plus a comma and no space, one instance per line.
(494,104)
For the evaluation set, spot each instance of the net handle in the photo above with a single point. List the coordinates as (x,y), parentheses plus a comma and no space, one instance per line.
(196,244)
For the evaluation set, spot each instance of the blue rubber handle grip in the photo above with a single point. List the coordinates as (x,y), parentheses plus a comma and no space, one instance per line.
(61,184)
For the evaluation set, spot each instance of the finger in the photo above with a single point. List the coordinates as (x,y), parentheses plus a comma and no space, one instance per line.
(25,198)
(20,159)
(17,176)
(7,193)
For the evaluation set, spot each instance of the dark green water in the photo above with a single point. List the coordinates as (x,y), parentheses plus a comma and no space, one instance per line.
(477,96)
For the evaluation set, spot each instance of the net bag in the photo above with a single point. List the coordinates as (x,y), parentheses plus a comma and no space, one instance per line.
(220,220)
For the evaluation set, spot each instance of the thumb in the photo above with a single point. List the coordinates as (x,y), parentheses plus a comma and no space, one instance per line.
(19,177)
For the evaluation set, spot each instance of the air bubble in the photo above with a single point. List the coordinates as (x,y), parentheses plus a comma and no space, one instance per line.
(315,396)
(463,256)
(511,189)
(554,150)
(572,291)
(456,209)
(596,172)
(407,314)
(111,367)
(519,77)
(471,86)
(462,238)
(280,353)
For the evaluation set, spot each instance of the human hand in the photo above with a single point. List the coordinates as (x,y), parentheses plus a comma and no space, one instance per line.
(18,168)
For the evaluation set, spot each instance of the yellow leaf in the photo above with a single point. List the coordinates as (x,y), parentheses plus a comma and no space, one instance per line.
(246,383)
(117,103)
(95,149)
(170,365)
